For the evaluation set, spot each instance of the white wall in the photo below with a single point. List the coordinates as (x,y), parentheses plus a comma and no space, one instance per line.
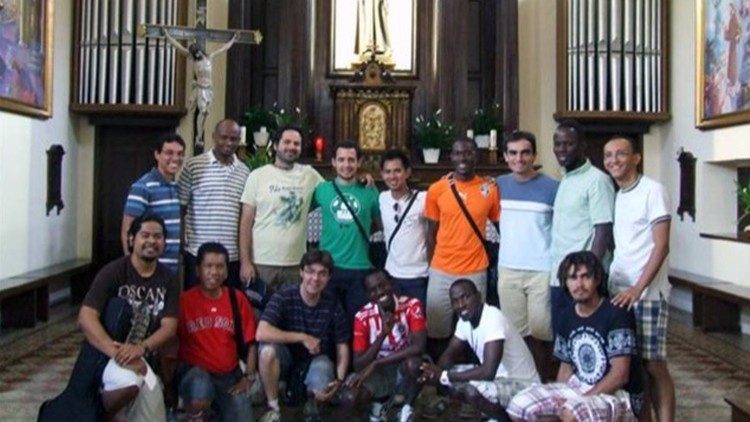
(29,239)
(717,150)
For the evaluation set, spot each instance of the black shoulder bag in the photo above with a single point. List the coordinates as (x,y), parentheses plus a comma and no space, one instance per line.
(470,220)
(406,211)
(239,338)
(376,258)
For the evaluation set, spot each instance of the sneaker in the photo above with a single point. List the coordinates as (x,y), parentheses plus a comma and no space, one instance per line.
(271,416)
(377,413)
(406,414)
(310,412)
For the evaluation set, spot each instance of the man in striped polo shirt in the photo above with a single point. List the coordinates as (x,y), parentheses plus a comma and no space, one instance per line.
(210,187)
(156,193)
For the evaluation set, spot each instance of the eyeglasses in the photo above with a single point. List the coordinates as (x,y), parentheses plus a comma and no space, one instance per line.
(396,209)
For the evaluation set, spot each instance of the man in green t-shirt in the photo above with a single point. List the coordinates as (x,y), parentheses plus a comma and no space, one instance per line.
(342,236)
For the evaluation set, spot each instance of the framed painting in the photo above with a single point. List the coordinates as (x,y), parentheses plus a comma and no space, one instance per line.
(26,57)
(722,63)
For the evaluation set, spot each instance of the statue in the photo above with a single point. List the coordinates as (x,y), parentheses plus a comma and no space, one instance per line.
(373,33)
(203,92)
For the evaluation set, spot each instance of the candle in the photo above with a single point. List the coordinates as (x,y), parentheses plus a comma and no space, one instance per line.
(493,139)
(262,129)
(243,134)
(320,145)
(470,133)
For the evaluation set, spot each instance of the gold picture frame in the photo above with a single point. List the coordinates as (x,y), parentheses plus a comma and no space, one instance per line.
(26,57)
(722,64)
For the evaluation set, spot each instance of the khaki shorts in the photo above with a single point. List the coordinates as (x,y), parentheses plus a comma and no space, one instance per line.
(277,277)
(439,312)
(500,390)
(525,300)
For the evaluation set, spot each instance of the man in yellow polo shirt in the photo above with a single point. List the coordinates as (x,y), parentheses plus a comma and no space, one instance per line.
(454,249)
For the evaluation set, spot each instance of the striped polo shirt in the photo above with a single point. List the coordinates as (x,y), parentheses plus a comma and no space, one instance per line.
(211,192)
(153,194)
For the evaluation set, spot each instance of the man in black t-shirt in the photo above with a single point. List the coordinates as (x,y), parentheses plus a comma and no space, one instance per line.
(129,386)
(304,327)
(600,373)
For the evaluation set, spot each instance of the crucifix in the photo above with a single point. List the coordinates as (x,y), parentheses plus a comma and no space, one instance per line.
(203,93)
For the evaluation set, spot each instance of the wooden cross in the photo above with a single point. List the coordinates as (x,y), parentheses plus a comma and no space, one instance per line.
(203,88)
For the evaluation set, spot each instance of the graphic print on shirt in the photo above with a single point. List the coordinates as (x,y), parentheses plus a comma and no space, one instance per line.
(339,210)
(289,205)
(588,354)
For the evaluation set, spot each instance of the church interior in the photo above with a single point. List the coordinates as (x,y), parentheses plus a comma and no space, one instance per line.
(70,149)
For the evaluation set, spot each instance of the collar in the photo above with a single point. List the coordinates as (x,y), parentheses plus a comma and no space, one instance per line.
(582,169)
(159,178)
(632,185)
(212,158)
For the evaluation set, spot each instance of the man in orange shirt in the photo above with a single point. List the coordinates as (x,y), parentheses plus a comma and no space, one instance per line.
(454,248)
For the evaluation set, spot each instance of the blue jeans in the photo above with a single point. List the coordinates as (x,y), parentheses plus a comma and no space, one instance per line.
(198,384)
(348,286)
(412,287)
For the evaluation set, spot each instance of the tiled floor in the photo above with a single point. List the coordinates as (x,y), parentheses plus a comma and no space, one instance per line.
(35,364)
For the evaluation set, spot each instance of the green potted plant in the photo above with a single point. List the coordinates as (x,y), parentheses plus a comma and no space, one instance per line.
(263,155)
(294,117)
(260,122)
(483,121)
(431,134)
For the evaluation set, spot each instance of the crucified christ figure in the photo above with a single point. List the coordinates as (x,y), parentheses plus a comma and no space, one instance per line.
(203,92)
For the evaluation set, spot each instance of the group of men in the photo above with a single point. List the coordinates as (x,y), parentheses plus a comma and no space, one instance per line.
(335,330)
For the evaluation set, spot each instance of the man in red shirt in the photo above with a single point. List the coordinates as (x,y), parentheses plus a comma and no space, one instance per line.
(209,358)
(390,334)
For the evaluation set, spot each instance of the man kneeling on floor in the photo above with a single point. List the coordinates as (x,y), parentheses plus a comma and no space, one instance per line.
(389,340)
(301,328)
(505,363)
(130,389)
(209,353)
(600,374)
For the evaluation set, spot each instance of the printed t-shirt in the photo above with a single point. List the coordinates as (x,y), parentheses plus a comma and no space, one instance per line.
(282,200)
(368,324)
(341,237)
(206,330)
(326,321)
(588,344)
(407,254)
(458,249)
(151,298)
(517,362)
(637,209)
(526,226)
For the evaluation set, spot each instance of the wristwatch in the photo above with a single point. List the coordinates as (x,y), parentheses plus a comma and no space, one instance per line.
(444,378)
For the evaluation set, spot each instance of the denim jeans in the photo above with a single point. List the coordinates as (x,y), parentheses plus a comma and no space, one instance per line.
(320,373)
(198,384)
(412,287)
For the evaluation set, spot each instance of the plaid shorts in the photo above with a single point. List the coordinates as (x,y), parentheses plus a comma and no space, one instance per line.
(500,390)
(651,327)
(550,399)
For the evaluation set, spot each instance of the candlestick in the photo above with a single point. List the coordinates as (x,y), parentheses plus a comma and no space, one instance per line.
(319,144)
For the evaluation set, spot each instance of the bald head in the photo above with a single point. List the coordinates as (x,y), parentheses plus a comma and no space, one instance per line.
(226,137)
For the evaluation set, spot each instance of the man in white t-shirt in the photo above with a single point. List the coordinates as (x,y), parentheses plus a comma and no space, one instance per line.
(401,210)
(638,274)
(275,205)
(505,363)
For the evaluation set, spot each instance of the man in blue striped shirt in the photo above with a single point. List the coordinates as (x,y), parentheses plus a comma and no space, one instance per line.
(156,193)
(210,187)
